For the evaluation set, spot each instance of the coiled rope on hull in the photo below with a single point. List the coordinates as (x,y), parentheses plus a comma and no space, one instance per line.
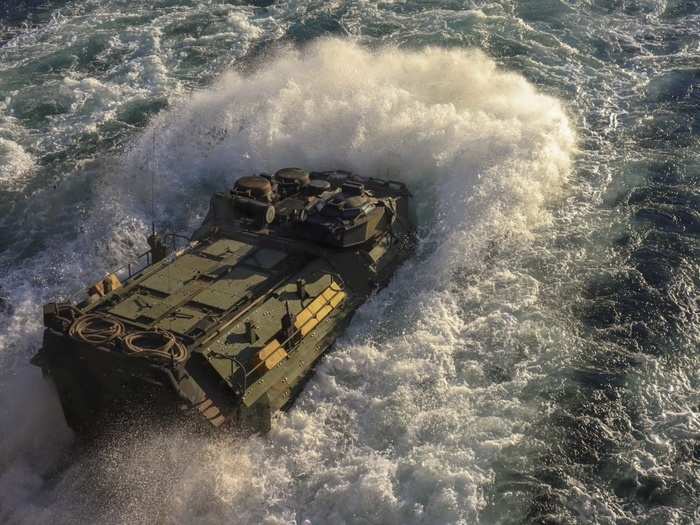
(97,329)
(156,344)
(159,345)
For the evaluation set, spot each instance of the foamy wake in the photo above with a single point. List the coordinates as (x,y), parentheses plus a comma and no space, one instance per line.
(15,165)
(401,423)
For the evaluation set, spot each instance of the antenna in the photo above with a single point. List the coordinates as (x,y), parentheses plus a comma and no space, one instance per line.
(158,249)
(154,167)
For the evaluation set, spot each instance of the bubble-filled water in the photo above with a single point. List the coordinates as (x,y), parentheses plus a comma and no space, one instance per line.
(536,361)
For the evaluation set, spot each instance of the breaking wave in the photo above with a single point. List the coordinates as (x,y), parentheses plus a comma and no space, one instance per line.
(403,419)
(483,143)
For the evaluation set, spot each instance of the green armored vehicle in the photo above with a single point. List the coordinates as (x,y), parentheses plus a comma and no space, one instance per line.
(226,330)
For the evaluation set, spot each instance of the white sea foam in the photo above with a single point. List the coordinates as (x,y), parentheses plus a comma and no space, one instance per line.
(401,423)
(411,418)
(15,165)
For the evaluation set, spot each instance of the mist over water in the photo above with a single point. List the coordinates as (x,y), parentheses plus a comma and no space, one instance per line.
(534,362)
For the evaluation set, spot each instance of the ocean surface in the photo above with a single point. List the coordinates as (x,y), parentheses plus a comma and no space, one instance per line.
(536,361)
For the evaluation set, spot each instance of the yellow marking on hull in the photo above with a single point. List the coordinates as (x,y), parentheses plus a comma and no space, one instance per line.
(276,358)
(339,298)
(319,308)
(268,350)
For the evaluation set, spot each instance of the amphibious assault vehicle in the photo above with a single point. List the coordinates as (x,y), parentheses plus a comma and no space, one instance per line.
(226,329)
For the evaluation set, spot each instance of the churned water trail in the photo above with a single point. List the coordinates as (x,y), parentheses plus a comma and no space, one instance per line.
(536,361)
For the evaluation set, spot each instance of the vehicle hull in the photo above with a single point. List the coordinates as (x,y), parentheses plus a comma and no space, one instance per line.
(250,313)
